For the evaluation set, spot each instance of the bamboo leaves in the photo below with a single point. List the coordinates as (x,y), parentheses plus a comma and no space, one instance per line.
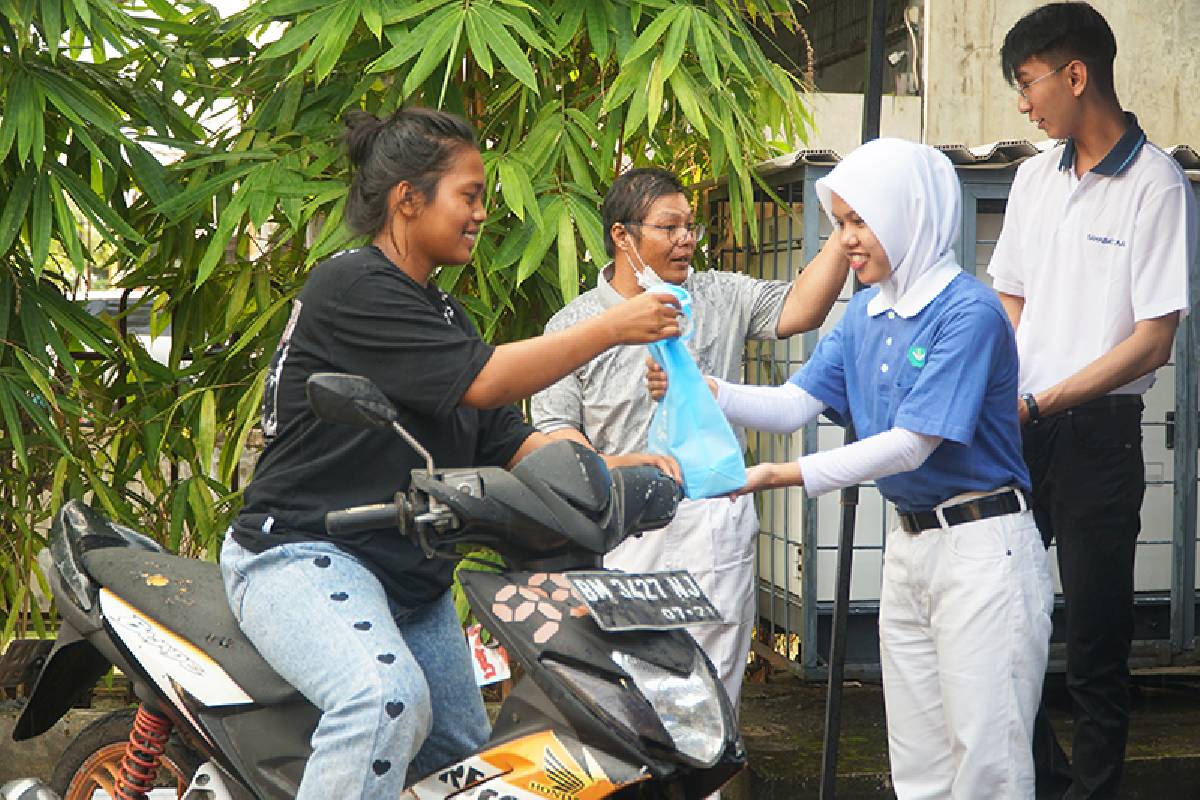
(438,46)
(597,27)
(477,40)
(540,241)
(81,406)
(502,24)
(490,31)
(568,265)
(649,38)
(517,189)
(176,154)
(13,214)
(688,53)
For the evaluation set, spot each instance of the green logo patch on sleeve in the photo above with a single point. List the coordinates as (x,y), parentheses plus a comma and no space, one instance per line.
(916,355)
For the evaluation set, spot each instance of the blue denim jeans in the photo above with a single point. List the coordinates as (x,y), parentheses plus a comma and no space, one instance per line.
(395,686)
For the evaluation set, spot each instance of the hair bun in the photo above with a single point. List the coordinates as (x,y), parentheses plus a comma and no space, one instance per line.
(362,128)
(416,145)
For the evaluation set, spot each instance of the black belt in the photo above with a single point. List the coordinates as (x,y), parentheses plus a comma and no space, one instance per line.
(1113,403)
(993,505)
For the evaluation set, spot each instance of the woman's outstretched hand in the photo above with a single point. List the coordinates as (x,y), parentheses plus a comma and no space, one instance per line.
(769,476)
(644,318)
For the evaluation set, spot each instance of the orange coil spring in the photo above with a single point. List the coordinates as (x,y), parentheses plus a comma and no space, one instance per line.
(143,752)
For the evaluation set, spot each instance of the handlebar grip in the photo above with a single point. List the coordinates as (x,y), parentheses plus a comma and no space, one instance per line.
(362,518)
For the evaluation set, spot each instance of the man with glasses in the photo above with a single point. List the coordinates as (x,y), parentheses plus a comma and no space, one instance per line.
(651,235)
(1092,267)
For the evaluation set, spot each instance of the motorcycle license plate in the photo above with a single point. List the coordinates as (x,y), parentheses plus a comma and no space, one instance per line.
(627,601)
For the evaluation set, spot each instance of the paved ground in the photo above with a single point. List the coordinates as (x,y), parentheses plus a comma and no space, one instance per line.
(782,722)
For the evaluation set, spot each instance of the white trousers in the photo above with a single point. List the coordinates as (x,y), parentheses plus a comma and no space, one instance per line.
(964,631)
(714,541)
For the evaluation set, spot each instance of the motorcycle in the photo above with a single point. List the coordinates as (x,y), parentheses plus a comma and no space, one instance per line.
(616,699)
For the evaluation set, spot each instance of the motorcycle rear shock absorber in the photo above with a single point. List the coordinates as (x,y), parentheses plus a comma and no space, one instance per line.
(143,754)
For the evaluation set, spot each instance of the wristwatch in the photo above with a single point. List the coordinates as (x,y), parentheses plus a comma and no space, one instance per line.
(1035,414)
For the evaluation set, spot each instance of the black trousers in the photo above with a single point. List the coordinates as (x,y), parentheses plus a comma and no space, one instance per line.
(1088,483)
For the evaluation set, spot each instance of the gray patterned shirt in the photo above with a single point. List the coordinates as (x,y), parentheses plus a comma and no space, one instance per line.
(606,398)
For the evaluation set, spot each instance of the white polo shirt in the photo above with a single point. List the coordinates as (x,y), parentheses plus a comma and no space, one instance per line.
(1092,256)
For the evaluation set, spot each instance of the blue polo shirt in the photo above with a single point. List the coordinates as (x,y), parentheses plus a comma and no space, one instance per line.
(949,370)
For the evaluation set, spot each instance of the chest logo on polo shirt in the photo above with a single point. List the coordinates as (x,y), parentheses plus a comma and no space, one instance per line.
(916,355)
(1109,240)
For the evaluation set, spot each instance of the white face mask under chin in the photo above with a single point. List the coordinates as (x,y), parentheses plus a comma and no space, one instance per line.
(651,281)
(647,278)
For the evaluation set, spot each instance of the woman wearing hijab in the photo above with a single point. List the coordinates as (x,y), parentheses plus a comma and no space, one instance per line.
(925,366)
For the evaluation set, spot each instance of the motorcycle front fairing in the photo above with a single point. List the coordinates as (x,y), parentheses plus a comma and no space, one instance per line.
(586,675)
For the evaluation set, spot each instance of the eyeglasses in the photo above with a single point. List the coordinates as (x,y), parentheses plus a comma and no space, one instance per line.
(675,233)
(1023,88)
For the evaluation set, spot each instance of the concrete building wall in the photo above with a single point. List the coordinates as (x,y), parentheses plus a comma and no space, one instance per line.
(837,119)
(967,101)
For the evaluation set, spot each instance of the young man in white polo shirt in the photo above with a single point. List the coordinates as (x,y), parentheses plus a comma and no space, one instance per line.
(1092,267)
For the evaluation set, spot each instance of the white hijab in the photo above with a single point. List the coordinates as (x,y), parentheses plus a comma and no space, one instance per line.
(909,196)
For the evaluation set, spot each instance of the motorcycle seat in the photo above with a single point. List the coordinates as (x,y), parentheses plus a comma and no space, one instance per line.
(187,596)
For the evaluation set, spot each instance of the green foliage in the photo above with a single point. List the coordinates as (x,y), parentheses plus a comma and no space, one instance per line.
(564,94)
(86,86)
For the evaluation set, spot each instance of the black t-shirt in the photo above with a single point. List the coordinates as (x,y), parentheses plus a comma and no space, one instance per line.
(359,313)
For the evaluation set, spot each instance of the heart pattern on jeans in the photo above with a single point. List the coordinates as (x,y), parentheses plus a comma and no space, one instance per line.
(322,561)
(339,597)
(386,658)
(381,767)
(394,709)
(362,626)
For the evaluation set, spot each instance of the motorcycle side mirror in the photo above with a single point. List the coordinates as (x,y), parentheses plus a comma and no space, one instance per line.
(349,400)
(354,400)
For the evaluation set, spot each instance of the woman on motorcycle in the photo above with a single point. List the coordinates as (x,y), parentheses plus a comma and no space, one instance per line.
(363,625)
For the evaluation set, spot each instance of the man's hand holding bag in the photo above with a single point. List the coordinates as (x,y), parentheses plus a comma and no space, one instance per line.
(689,425)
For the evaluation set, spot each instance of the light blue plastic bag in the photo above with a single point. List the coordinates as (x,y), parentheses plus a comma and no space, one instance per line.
(688,424)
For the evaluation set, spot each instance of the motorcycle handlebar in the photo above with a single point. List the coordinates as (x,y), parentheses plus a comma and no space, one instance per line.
(363,518)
